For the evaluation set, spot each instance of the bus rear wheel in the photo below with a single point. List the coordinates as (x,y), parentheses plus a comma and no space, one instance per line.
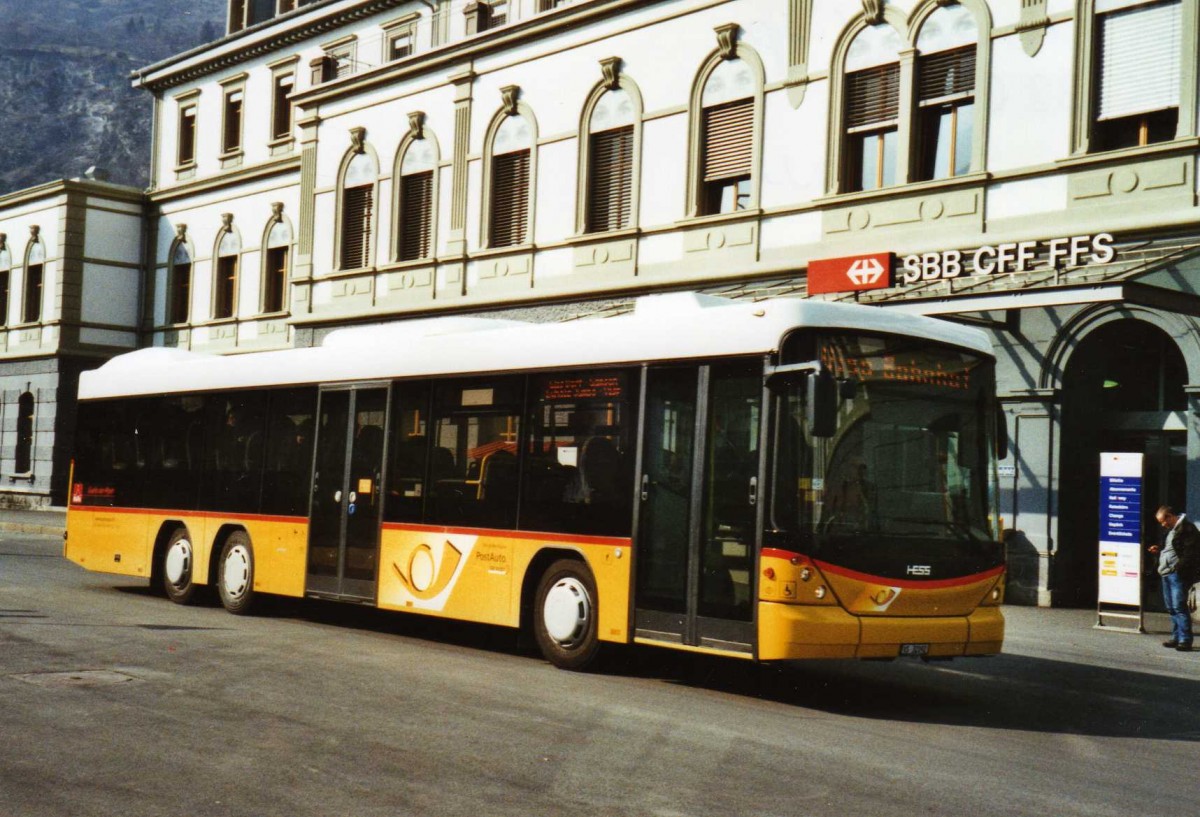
(564,620)
(178,558)
(235,573)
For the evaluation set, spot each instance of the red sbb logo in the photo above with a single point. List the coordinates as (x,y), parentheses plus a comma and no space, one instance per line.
(854,273)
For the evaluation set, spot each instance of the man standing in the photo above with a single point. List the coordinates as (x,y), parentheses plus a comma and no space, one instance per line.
(1179,568)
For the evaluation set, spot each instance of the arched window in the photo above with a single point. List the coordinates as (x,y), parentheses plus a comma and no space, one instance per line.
(35,275)
(727,138)
(276,261)
(179,286)
(871,108)
(511,152)
(415,196)
(945,95)
(5,281)
(24,451)
(358,206)
(611,138)
(229,250)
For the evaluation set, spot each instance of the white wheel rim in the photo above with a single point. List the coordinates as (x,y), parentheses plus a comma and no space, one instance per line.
(566,611)
(178,564)
(235,575)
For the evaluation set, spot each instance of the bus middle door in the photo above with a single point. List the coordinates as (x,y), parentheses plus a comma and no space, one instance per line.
(343,546)
(698,512)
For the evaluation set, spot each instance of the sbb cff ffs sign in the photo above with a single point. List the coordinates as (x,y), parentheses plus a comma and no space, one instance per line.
(855,273)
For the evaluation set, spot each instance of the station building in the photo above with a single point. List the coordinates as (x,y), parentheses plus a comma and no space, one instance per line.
(70,270)
(1025,167)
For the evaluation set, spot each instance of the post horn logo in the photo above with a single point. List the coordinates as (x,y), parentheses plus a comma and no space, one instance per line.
(423,579)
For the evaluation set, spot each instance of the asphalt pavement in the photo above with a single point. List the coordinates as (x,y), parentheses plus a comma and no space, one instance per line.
(113,701)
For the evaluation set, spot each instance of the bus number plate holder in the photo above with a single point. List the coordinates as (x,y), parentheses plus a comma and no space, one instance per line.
(914,649)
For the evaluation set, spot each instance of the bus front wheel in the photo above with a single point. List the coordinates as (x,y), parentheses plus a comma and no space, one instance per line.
(177,560)
(235,573)
(565,615)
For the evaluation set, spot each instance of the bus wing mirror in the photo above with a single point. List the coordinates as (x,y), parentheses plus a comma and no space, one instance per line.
(1001,433)
(821,406)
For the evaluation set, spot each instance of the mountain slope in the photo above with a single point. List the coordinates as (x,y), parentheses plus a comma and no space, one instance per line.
(65,97)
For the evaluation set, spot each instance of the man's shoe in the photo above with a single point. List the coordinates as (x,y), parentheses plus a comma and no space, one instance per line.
(1170,645)
(1183,648)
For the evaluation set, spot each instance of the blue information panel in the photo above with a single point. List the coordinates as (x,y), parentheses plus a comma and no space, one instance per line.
(1121,509)
(1120,529)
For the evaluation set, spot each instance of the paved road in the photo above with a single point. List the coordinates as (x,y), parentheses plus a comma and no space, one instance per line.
(115,702)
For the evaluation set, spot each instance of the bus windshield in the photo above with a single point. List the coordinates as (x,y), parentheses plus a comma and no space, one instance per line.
(909,470)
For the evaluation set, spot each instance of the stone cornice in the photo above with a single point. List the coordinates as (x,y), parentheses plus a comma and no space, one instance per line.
(290,164)
(63,186)
(258,41)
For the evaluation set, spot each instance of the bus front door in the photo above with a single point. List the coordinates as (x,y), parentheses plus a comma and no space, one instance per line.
(343,539)
(699,508)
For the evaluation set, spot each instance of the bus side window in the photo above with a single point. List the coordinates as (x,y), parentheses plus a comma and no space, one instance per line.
(409,453)
(236,431)
(289,451)
(167,429)
(578,468)
(478,423)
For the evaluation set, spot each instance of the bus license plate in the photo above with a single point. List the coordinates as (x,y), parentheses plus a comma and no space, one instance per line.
(914,649)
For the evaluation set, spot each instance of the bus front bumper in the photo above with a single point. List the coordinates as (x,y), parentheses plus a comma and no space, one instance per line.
(794,631)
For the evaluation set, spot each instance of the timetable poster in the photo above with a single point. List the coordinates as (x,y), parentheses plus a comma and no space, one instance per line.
(1120,529)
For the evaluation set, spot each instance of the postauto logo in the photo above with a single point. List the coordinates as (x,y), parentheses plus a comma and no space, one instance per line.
(854,273)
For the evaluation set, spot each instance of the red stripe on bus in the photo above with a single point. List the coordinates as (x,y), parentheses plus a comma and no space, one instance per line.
(241,517)
(910,584)
(570,538)
(776,553)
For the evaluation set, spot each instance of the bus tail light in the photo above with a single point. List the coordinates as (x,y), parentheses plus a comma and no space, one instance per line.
(788,577)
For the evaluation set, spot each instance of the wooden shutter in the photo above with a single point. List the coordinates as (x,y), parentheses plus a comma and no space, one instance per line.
(226,286)
(187,134)
(510,199)
(4,288)
(181,286)
(33,293)
(946,74)
(416,215)
(276,279)
(1138,59)
(728,140)
(356,226)
(282,119)
(873,96)
(233,121)
(610,195)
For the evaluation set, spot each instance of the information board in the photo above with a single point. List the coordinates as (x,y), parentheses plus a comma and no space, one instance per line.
(1120,529)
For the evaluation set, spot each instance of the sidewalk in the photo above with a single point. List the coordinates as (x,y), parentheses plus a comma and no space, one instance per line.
(51,521)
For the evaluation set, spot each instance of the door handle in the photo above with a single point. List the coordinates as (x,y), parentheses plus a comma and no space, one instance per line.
(645,487)
(337,496)
(753,490)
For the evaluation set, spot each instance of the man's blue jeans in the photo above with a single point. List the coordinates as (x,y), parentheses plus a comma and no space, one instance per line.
(1175,597)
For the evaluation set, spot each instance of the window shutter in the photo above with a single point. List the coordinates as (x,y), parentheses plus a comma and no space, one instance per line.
(610,196)
(356,226)
(873,96)
(416,215)
(947,73)
(181,284)
(1139,61)
(282,119)
(728,140)
(510,198)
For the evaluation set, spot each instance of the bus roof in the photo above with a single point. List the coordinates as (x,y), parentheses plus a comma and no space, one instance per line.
(673,326)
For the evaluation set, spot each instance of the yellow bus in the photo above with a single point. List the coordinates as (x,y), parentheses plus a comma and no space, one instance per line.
(778,480)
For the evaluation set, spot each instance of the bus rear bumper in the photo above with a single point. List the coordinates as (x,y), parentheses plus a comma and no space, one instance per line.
(795,631)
